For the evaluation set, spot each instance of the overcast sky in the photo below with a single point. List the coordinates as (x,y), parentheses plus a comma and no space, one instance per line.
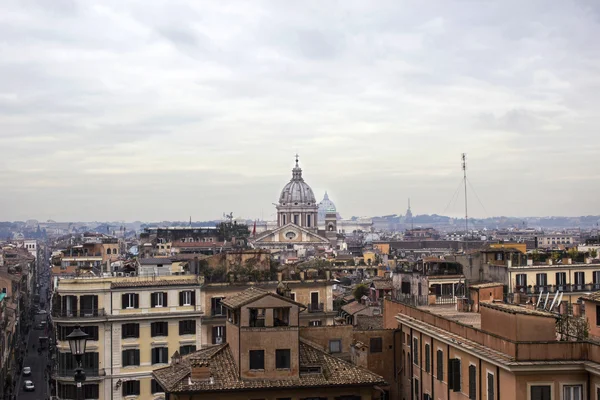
(162,110)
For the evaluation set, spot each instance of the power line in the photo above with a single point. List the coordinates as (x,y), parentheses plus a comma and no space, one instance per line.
(477,196)
(453,197)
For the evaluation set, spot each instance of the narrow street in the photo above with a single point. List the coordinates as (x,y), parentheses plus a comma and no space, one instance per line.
(36,361)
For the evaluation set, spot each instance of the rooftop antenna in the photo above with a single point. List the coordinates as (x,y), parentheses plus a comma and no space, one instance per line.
(464,168)
(412,225)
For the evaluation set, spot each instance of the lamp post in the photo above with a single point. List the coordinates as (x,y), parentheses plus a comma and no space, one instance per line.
(77,341)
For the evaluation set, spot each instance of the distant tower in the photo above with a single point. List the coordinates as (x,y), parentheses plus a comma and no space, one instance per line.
(331,226)
(409,216)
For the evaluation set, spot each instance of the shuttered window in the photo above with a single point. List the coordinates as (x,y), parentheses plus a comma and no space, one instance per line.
(187,298)
(472,382)
(454,379)
(440,365)
(130,357)
(187,327)
(130,300)
(427,358)
(416,351)
(159,329)
(540,392)
(490,386)
(158,299)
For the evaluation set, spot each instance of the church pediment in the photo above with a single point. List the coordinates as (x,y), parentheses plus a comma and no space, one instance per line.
(292,234)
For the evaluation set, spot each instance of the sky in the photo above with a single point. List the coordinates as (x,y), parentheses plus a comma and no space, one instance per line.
(161,110)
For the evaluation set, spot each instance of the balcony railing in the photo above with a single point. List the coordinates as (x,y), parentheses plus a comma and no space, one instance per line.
(316,307)
(70,372)
(590,287)
(83,313)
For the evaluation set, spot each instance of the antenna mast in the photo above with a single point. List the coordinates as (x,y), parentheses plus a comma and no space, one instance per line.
(464,168)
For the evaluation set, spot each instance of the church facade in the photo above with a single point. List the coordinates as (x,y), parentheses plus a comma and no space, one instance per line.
(298,219)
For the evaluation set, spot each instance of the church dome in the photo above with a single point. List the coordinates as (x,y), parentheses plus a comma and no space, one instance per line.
(326,206)
(297,192)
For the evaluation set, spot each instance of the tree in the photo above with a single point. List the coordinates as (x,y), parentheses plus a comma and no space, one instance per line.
(593,253)
(360,290)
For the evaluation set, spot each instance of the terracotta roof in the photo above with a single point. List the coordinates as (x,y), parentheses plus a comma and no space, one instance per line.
(366,322)
(483,285)
(353,308)
(595,296)
(198,244)
(152,283)
(382,284)
(224,372)
(251,294)
(514,309)
(349,298)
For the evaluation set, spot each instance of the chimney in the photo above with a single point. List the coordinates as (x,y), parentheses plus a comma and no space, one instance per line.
(549,261)
(200,370)
(327,274)
(509,263)
(301,275)
(279,277)
(530,261)
(588,260)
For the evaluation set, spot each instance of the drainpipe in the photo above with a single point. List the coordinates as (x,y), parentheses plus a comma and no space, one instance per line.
(421,363)
(498,380)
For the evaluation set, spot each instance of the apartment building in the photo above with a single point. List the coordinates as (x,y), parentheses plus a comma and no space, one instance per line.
(505,351)
(135,325)
(265,358)
(572,279)
(316,295)
(557,240)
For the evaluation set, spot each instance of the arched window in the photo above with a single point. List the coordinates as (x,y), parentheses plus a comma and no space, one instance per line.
(107,251)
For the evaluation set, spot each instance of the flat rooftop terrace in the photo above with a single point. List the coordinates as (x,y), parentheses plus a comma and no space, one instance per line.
(448,311)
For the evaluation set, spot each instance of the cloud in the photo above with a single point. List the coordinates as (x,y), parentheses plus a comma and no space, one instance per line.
(161,109)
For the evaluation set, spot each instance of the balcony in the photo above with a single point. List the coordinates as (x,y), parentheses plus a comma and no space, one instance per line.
(83,313)
(315,307)
(570,288)
(90,373)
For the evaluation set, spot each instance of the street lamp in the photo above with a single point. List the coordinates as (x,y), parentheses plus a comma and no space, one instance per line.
(77,341)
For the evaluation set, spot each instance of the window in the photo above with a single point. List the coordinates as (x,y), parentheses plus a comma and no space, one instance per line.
(159,329)
(579,279)
(158,299)
(282,359)
(187,327)
(454,379)
(472,382)
(596,277)
(187,298)
(427,358)
(92,331)
(130,357)
(521,280)
(257,317)
(130,300)
(308,221)
(296,219)
(155,387)
(572,392)
(131,388)
(160,355)
(597,315)
(335,346)
(376,345)
(281,316)
(218,335)
(283,218)
(561,278)
(440,365)
(416,388)
(490,386)
(257,359)
(130,331)
(541,279)
(315,323)
(541,392)
(499,256)
(187,349)
(416,351)
(293,296)
(216,307)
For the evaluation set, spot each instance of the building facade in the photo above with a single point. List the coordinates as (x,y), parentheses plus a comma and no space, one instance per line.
(135,325)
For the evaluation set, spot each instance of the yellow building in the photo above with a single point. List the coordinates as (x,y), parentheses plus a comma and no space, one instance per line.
(573,280)
(135,325)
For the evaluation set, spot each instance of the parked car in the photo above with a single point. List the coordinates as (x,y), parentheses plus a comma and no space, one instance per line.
(26,371)
(28,386)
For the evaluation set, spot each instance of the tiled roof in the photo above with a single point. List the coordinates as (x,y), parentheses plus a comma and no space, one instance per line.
(514,309)
(152,283)
(224,372)
(366,322)
(353,308)
(198,244)
(247,296)
(382,284)
(484,285)
(595,296)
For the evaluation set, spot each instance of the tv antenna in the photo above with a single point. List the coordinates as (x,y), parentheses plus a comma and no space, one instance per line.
(464,168)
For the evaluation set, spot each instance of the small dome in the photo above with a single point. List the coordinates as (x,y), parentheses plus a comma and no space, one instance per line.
(297,192)
(326,206)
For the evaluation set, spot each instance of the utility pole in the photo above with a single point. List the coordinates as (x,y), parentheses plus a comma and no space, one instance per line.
(464,168)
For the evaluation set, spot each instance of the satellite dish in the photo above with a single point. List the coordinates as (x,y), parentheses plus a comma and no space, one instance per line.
(546,302)
(553,301)
(559,299)
(537,305)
